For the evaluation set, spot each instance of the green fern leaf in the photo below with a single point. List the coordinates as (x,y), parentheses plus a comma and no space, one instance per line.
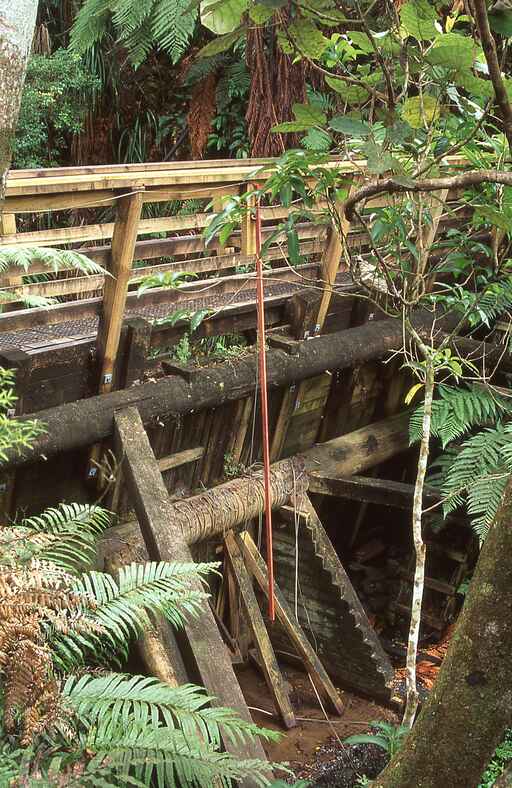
(173,25)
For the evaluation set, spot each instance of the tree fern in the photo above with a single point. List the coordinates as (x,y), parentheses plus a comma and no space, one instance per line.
(164,24)
(458,410)
(475,475)
(56,259)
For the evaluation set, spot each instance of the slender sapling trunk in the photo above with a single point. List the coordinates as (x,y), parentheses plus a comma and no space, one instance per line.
(420,549)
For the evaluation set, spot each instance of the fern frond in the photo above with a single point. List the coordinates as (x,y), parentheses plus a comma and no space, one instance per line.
(121,607)
(173,24)
(90,25)
(56,259)
(458,410)
(165,756)
(484,499)
(65,536)
(116,697)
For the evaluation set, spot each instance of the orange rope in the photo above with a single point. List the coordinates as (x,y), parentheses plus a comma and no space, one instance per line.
(262,365)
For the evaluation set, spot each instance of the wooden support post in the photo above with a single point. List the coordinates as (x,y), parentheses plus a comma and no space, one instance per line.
(331,260)
(254,618)
(248,239)
(366,489)
(166,542)
(316,670)
(138,343)
(116,286)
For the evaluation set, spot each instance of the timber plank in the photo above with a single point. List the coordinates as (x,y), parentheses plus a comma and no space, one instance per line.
(165,543)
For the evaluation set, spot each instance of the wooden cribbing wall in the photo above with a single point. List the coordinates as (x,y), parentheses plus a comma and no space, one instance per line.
(78,360)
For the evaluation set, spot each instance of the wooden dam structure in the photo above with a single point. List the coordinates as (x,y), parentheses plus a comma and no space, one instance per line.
(99,368)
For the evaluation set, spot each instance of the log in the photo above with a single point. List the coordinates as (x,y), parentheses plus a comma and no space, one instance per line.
(362,448)
(80,424)
(222,508)
(209,657)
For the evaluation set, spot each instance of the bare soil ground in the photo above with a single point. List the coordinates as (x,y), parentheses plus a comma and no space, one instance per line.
(314,749)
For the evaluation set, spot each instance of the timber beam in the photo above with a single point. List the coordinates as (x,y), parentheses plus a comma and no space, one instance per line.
(383,492)
(164,542)
(80,424)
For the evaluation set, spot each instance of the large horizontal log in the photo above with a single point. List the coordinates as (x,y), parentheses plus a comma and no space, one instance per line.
(203,516)
(79,424)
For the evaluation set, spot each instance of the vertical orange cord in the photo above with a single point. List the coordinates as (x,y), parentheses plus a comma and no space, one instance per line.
(262,365)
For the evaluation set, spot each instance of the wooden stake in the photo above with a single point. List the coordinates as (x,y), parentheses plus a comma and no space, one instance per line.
(256,566)
(254,618)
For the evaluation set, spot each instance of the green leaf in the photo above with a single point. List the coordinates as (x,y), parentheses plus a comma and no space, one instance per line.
(222,16)
(363,738)
(474,85)
(361,41)
(293,247)
(350,126)
(260,13)
(495,217)
(290,126)
(318,140)
(501,22)
(453,50)
(418,18)
(352,94)
(308,39)
(197,318)
(310,114)
(414,115)
(220,44)
(378,160)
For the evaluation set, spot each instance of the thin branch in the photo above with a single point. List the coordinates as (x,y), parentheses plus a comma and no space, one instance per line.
(395,185)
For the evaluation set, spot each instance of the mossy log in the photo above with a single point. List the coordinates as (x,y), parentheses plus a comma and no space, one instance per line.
(89,421)
(470,704)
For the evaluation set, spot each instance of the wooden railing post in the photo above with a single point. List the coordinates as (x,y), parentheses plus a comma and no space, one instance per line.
(116,286)
(8,227)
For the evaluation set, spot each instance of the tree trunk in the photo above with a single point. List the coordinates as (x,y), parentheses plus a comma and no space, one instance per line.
(470,706)
(17,22)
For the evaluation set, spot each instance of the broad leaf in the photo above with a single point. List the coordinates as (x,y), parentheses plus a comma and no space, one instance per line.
(308,39)
(260,13)
(352,94)
(453,51)
(350,126)
(416,110)
(222,16)
(418,18)
(220,44)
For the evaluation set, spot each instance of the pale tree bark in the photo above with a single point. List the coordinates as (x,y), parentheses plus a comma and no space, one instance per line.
(470,705)
(17,22)
(419,548)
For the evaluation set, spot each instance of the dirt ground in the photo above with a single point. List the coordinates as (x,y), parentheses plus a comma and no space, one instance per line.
(314,748)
